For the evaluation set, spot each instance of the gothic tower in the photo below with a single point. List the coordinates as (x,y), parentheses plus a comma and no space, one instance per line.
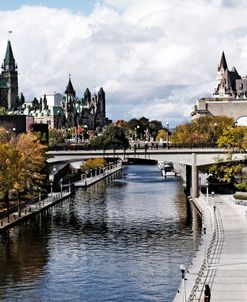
(10,75)
(69,105)
(101,103)
(221,68)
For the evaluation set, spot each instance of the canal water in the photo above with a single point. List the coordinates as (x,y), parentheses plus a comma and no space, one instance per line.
(122,239)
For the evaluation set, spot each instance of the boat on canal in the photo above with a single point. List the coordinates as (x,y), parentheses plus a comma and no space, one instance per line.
(166,169)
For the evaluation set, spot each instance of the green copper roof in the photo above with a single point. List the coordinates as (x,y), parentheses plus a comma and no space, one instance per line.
(9,57)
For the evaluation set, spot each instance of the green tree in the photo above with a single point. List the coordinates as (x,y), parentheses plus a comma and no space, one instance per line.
(232,138)
(113,137)
(154,127)
(56,136)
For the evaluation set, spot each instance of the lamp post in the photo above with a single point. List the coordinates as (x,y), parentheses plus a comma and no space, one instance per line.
(207,191)
(182,269)
(61,186)
(51,189)
(167,128)
(136,132)
(39,196)
(212,193)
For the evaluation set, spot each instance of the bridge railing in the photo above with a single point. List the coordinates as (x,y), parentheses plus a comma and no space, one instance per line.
(137,146)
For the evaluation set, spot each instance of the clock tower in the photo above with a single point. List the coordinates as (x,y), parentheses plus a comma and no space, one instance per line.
(10,76)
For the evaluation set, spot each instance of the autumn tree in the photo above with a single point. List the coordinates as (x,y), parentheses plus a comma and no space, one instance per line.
(93,164)
(32,160)
(162,134)
(9,158)
(205,129)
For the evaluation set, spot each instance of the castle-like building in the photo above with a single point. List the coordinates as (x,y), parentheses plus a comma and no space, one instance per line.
(57,110)
(229,97)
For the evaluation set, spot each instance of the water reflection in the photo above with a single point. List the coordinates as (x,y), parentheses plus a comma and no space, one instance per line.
(120,240)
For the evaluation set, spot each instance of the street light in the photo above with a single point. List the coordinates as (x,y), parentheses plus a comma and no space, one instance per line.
(182,269)
(61,186)
(39,196)
(167,128)
(51,189)
(212,193)
(207,191)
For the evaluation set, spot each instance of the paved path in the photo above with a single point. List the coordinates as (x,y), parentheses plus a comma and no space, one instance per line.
(228,272)
(226,269)
(91,180)
(31,210)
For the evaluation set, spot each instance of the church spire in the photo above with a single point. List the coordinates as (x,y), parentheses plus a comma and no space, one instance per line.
(223,63)
(70,89)
(9,60)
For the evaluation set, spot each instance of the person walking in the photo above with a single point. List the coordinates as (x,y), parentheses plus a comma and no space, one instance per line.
(207,293)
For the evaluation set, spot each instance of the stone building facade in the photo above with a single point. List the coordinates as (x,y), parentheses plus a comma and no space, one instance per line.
(229,97)
(58,111)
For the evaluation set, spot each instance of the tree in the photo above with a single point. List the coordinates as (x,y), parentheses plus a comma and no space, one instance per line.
(154,127)
(93,164)
(9,158)
(225,170)
(3,111)
(162,134)
(115,137)
(233,138)
(32,156)
(205,129)
(133,123)
(5,136)
(56,136)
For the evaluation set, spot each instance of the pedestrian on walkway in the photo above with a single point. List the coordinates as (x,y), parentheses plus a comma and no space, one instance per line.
(207,293)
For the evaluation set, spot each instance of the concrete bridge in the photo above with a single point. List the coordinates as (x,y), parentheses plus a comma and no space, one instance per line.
(191,158)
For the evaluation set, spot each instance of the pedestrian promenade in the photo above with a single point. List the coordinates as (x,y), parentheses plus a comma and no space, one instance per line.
(228,272)
(91,180)
(32,209)
(223,265)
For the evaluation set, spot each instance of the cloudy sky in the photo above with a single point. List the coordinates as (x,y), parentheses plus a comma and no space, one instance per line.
(153,58)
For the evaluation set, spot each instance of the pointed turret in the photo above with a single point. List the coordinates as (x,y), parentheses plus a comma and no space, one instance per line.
(87,96)
(70,89)
(223,64)
(101,92)
(9,60)
(101,102)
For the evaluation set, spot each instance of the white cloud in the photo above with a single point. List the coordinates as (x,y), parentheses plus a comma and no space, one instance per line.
(153,59)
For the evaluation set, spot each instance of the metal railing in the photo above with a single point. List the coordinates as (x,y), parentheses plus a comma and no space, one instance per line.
(212,250)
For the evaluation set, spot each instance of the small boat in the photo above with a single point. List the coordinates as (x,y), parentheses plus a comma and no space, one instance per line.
(166,169)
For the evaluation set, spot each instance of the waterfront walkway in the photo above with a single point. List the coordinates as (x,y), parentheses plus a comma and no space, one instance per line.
(91,180)
(221,260)
(32,209)
(228,271)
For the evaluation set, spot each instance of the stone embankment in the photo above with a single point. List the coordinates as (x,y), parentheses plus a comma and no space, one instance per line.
(30,210)
(91,180)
